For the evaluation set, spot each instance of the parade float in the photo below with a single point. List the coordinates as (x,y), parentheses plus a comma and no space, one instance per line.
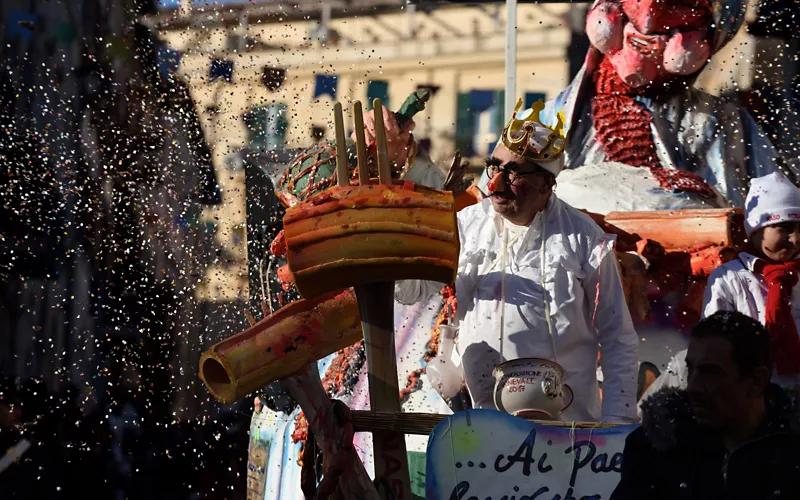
(355,362)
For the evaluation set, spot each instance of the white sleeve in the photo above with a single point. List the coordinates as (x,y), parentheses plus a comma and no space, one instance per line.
(412,291)
(425,172)
(618,341)
(717,296)
(676,375)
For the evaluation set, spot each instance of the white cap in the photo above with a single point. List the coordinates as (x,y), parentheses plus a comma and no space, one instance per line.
(772,199)
(554,166)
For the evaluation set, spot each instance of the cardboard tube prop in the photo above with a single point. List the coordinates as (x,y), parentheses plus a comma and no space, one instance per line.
(342,170)
(280,345)
(361,144)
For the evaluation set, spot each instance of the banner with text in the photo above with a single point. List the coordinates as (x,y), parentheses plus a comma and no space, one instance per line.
(491,455)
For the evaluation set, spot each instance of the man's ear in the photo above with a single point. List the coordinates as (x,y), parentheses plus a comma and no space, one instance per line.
(549,183)
(761,379)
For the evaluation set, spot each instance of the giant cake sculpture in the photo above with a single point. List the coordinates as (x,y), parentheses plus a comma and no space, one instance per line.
(364,236)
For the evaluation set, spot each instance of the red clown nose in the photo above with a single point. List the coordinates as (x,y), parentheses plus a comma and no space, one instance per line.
(493,181)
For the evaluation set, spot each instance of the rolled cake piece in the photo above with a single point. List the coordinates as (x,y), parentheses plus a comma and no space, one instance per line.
(280,345)
(684,228)
(358,235)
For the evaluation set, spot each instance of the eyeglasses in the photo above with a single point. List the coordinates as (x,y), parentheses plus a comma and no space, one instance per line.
(510,174)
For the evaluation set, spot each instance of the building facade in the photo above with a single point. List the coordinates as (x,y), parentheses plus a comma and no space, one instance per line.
(266,76)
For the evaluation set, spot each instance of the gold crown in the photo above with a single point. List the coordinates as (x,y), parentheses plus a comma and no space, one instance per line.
(526,136)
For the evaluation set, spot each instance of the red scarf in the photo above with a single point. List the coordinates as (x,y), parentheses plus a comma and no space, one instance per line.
(623,130)
(781,278)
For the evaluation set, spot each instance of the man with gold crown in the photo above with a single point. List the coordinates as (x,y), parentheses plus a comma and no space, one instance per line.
(538,279)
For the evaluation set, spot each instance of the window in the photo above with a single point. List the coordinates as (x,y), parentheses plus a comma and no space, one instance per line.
(479,121)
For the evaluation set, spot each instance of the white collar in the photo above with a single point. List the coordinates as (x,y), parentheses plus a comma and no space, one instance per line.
(749,261)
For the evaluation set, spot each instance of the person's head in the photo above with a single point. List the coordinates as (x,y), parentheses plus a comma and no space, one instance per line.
(652,41)
(778,243)
(772,217)
(729,367)
(518,188)
(523,167)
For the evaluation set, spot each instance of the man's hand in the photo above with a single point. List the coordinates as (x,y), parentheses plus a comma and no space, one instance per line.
(456,181)
(399,142)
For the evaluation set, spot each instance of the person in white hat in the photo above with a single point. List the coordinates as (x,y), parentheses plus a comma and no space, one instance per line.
(762,282)
(538,278)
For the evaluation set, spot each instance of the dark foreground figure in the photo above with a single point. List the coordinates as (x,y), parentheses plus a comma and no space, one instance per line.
(118,451)
(730,435)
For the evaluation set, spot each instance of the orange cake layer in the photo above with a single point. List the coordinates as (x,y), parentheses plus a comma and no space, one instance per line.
(359,235)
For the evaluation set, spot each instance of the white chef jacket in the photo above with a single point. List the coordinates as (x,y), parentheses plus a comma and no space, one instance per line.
(733,286)
(585,297)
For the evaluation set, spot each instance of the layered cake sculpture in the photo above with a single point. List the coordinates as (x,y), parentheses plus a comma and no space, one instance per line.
(357,235)
(351,235)
(345,246)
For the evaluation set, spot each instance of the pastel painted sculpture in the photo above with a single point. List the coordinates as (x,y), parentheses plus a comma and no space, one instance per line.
(650,41)
(314,170)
